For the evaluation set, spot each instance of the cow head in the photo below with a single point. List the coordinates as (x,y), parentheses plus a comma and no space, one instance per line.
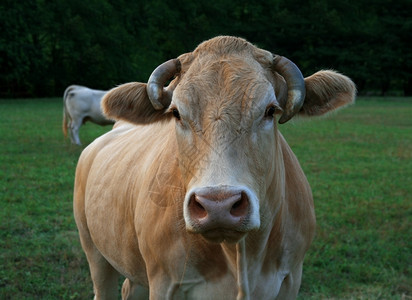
(225,98)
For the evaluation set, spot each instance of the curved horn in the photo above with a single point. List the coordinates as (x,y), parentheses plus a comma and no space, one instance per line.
(158,95)
(295,83)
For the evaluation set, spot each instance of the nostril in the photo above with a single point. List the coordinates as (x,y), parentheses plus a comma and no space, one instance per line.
(237,204)
(196,209)
(240,207)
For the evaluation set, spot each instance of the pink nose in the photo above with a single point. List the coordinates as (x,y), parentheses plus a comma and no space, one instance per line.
(218,208)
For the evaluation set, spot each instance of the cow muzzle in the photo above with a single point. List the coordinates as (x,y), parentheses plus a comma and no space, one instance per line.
(221,213)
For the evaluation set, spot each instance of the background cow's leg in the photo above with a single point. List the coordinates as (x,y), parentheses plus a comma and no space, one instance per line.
(290,285)
(131,291)
(74,131)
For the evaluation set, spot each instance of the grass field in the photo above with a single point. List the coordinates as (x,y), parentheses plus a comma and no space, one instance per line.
(358,161)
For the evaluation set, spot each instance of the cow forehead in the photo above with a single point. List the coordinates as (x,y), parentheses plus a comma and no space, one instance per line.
(230,81)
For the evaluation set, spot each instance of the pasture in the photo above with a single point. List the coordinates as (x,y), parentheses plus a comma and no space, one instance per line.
(358,162)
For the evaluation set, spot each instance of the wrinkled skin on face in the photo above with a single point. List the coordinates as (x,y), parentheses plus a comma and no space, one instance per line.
(225,130)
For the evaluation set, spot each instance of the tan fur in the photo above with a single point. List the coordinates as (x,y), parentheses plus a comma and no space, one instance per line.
(139,108)
(132,183)
(326,91)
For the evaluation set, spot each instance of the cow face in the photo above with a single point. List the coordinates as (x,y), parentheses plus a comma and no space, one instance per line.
(225,111)
(225,99)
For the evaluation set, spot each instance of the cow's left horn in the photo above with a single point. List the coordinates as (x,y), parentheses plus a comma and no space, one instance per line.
(159,96)
(296,86)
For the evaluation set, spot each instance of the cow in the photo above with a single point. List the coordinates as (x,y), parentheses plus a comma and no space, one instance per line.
(195,194)
(81,104)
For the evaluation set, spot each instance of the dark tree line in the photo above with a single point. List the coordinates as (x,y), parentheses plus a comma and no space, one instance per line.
(46,45)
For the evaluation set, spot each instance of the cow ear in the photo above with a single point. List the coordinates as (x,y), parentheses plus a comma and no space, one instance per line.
(326,91)
(129,102)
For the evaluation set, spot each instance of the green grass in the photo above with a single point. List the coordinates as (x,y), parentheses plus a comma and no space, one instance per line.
(358,161)
(41,257)
(359,164)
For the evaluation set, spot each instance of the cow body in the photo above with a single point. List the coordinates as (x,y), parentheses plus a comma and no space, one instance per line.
(201,199)
(81,104)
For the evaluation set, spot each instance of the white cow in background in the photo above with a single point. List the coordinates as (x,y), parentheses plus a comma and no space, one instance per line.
(81,104)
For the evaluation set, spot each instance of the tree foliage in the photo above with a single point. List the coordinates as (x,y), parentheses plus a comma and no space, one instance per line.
(46,45)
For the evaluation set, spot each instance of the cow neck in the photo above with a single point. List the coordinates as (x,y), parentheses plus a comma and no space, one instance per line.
(241,271)
(236,257)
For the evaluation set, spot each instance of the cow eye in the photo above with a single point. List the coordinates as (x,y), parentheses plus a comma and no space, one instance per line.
(176,113)
(270,111)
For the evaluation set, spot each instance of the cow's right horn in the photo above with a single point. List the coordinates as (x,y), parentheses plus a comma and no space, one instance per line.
(159,96)
(295,83)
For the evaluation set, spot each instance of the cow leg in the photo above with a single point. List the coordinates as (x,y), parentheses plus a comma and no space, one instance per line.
(131,291)
(290,285)
(74,131)
(104,276)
